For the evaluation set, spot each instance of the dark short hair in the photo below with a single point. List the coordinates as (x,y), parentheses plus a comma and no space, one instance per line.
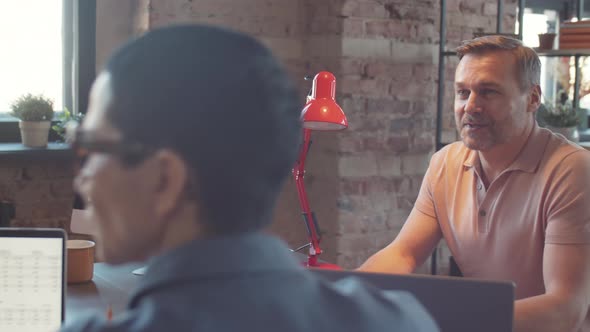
(221,101)
(527,61)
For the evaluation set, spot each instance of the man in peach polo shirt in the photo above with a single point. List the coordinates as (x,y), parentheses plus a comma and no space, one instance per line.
(512,200)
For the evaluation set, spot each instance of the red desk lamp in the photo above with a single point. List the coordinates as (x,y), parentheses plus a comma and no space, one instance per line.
(320,113)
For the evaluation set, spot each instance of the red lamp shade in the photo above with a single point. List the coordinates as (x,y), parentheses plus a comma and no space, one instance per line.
(321,111)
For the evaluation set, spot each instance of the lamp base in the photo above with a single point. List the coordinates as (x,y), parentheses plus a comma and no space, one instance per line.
(314,262)
(323,266)
(140,271)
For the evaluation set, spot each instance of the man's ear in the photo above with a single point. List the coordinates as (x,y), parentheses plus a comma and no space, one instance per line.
(534,98)
(173,175)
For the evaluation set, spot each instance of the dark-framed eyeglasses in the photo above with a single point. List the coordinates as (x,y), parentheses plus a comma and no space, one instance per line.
(83,143)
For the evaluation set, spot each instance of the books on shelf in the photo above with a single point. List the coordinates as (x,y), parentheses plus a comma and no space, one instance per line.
(574,38)
(575,31)
(574,46)
(574,35)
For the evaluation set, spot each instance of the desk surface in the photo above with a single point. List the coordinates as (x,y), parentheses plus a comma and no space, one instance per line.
(111,285)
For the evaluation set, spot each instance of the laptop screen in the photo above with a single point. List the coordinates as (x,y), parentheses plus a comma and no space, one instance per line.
(31,280)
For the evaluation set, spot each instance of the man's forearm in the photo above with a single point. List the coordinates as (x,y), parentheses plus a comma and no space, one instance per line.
(388,260)
(547,313)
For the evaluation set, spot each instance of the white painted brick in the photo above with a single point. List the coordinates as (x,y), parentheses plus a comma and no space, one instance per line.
(389,166)
(490,8)
(359,165)
(402,52)
(323,46)
(284,48)
(366,48)
(383,202)
(414,164)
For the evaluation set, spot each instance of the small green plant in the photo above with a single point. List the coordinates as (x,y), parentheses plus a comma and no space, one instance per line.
(32,108)
(562,115)
(64,118)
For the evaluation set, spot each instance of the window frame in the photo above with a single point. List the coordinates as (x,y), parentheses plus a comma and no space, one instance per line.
(78,63)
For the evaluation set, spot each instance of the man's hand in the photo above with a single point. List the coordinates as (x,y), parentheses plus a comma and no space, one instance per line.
(411,247)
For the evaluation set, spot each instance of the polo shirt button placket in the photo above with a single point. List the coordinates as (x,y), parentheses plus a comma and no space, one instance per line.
(482,222)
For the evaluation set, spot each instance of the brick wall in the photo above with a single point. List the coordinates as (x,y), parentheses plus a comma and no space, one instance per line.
(362,181)
(40,190)
(116,22)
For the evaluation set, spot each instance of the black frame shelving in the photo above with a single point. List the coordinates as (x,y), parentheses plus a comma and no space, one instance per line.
(443,53)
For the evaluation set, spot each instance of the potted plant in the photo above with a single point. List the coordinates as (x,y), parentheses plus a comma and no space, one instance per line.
(64,119)
(561,118)
(547,40)
(35,114)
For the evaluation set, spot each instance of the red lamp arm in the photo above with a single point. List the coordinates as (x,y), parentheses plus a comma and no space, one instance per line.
(308,217)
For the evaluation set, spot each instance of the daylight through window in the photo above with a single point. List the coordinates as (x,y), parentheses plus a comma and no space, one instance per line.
(31,60)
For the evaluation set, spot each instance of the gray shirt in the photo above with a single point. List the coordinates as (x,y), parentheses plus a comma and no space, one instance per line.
(251,282)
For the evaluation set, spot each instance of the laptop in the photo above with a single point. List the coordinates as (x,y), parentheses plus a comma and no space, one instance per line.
(456,304)
(32,279)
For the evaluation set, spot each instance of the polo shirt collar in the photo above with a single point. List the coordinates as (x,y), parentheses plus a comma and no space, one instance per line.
(528,159)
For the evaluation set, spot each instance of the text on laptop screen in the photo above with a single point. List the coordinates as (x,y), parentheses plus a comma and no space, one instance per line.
(30,284)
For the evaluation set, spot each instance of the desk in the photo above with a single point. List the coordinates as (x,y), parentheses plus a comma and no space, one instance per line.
(111,285)
(457,304)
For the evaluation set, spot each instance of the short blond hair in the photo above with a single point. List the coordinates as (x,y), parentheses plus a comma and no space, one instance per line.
(527,60)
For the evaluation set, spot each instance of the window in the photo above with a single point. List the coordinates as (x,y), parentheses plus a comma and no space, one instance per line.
(33,52)
(538,22)
(48,47)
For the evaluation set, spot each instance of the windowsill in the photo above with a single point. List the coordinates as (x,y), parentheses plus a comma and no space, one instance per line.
(53,150)
(6,117)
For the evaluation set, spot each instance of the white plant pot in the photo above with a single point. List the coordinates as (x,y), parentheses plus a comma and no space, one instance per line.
(571,133)
(34,134)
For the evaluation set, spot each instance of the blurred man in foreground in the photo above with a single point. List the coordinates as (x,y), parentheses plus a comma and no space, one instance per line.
(190,133)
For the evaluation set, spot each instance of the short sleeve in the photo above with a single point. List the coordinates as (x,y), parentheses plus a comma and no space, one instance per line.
(568,217)
(425,201)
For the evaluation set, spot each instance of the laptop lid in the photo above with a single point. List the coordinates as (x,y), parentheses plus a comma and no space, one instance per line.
(456,304)
(32,279)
